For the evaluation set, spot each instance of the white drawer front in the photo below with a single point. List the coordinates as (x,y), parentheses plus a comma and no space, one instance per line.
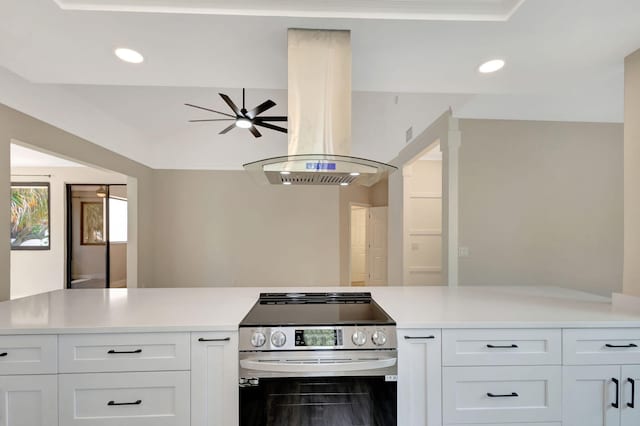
(601,346)
(502,394)
(124,352)
(132,399)
(37,354)
(501,347)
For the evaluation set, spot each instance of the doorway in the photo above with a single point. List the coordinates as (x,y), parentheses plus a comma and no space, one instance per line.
(368,245)
(96,235)
(423,209)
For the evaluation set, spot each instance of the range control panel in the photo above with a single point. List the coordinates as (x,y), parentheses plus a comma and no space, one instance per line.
(293,338)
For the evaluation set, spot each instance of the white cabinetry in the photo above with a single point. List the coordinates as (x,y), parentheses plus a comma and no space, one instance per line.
(600,378)
(133,399)
(214,379)
(419,377)
(28,380)
(29,400)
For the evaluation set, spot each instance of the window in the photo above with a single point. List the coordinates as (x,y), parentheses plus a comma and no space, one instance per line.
(117,220)
(29,216)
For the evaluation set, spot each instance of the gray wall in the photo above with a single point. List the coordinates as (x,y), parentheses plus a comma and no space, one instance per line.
(18,126)
(541,203)
(220,228)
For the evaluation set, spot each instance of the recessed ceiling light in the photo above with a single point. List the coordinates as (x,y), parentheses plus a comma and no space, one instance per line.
(354,174)
(243,123)
(286,183)
(491,66)
(129,55)
(285,173)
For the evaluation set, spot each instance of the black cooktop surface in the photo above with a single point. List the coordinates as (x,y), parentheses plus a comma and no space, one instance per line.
(284,309)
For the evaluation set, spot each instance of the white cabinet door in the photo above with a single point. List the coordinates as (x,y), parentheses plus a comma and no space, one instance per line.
(29,400)
(419,377)
(629,397)
(214,379)
(589,395)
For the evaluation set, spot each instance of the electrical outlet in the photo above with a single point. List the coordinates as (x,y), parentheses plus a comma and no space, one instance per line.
(463,251)
(409,134)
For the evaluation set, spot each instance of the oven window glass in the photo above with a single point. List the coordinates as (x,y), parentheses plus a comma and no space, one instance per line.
(335,401)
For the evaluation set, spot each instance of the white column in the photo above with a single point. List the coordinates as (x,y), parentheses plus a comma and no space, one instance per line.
(451,192)
(631,274)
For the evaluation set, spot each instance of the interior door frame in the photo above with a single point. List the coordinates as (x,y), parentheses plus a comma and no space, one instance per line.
(351,205)
(69,230)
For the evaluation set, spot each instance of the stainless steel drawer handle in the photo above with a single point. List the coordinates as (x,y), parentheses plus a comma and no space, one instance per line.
(507,395)
(112,403)
(4,354)
(113,351)
(419,337)
(490,346)
(225,339)
(630,345)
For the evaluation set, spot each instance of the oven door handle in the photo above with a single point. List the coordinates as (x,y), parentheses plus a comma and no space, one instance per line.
(319,367)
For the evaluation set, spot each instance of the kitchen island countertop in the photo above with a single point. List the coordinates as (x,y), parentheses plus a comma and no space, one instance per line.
(222,309)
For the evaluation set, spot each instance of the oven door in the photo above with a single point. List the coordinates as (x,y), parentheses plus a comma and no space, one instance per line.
(319,401)
(332,388)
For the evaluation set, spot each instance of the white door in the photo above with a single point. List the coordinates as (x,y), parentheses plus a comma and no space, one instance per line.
(589,395)
(419,377)
(629,397)
(214,379)
(29,400)
(358,244)
(377,246)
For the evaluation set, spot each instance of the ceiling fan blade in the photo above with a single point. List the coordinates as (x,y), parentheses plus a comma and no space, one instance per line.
(255,132)
(229,102)
(273,118)
(268,104)
(213,119)
(233,125)
(270,126)
(210,110)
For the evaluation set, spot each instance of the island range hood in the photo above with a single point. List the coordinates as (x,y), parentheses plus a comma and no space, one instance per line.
(319,117)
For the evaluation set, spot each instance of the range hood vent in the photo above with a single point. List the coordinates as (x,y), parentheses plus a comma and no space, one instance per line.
(319,117)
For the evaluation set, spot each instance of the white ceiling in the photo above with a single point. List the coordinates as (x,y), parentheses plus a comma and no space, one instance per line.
(564,62)
(25,157)
(472,10)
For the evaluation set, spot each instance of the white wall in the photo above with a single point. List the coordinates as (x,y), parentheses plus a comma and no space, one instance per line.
(541,203)
(219,228)
(35,272)
(632,174)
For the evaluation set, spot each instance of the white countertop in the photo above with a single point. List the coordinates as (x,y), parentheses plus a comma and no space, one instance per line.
(199,309)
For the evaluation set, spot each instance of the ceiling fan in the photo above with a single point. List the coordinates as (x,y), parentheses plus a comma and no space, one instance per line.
(243,118)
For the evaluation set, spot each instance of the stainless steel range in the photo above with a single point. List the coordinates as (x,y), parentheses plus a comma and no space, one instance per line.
(317,359)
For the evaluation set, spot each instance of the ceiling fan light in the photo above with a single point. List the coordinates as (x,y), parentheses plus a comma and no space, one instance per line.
(243,123)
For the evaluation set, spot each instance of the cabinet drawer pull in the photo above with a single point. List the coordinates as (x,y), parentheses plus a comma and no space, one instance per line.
(617,383)
(632,404)
(490,346)
(630,345)
(225,339)
(419,337)
(4,354)
(112,403)
(113,351)
(507,395)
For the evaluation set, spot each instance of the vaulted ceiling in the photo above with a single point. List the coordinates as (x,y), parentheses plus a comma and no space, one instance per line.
(564,62)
